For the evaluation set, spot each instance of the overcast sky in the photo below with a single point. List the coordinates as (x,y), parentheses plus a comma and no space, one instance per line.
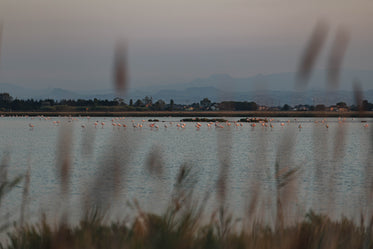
(70,43)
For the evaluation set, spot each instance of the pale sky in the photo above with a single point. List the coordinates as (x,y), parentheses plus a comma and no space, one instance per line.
(70,43)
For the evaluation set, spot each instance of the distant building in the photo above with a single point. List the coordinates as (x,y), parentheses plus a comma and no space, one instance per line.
(274,108)
(302,108)
(335,108)
(214,107)
(263,108)
(342,109)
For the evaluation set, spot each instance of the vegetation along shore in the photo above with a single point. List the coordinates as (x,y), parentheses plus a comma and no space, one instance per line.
(195,114)
(148,107)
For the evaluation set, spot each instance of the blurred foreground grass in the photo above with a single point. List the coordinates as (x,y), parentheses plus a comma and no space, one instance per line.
(181,226)
(173,230)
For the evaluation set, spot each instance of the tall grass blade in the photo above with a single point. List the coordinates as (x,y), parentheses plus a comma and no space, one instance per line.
(120,67)
(310,54)
(337,53)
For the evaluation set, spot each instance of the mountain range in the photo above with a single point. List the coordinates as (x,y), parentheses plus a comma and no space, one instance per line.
(272,90)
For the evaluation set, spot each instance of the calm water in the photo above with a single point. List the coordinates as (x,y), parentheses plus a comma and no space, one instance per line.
(332,162)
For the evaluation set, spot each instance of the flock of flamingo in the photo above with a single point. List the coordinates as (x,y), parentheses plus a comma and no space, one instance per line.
(119,122)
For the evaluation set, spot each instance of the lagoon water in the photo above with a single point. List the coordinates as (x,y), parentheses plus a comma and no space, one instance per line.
(332,163)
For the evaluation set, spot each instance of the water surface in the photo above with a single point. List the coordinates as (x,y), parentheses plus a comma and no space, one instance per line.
(332,163)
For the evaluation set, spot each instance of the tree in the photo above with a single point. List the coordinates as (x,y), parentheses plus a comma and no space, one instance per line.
(148,101)
(172,105)
(341,105)
(366,106)
(205,104)
(5,97)
(159,105)
(247,106)
(131,102)
(139,103)
(320,108)
(119,100)
(5,100)
(286,107)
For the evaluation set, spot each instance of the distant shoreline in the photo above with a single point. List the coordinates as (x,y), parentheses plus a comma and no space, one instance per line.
(367,114)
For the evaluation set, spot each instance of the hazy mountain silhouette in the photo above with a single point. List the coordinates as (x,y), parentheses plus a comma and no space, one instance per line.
(272,89)
(279,81)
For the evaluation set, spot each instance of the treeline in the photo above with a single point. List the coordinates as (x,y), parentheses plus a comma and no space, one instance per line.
(8,103)
(340,106)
